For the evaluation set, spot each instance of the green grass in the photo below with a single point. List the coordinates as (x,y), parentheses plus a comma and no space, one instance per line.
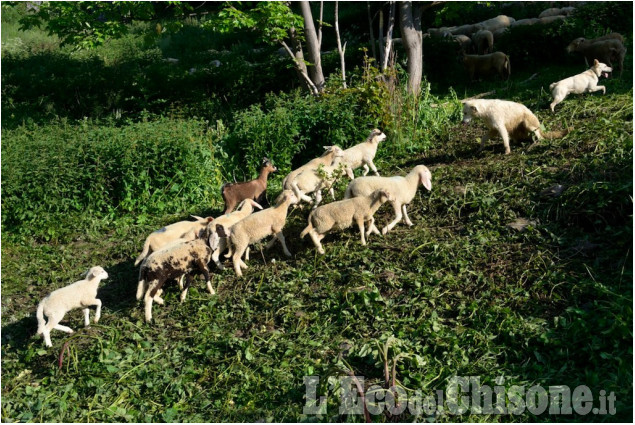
(461,293)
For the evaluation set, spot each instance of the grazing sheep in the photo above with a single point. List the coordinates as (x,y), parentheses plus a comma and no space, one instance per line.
(80,294)
(227,221)
(185,230)
(611,36)
(550,19)
(467,29)
(173,263)
(585,82)
(610,51)
(499,33)
(465,42)
(235,193)
(493,24)
(402,189)
(257,226)
(483,42)
(525,22)
(509,119)
(342,214)
(363,154)
(486,65)
(554,11)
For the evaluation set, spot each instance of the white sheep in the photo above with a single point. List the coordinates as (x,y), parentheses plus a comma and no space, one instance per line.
(363,154)
(80,294)
(342,214)
(174,262)
(313,181)
(257,226)
(403,189)
(188,230)
(327,159)
(227,221)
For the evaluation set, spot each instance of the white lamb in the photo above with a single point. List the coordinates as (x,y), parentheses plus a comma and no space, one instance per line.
(342,214)
(256,227)
(403,189)
(363,154)
(314,181)
(227,221)
(188,230)
(80,294)
(327,159)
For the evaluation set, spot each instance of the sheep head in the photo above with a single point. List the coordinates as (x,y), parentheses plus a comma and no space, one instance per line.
(425,177)
(376,136)
(96,272)
(575,44)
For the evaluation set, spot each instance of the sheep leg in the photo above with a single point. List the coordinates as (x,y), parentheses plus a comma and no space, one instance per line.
(157,297)
(332,192)
(148,306)
(316,237)
(405,215)
(299,194)
(371,227)
(181,281)
(372,167)
(318,198)
(86,316)
(203,267)
(360,224)
(247,254)
(280,237)
(397,219)
(188,283)
(349,172)
(365,167)
(63,329)
(505,136)
(238,263)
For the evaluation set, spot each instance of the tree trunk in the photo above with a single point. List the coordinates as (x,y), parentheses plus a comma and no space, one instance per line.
(370,27)
(410,24)
(340,49)
(313,47)
(391,26)
(298,59)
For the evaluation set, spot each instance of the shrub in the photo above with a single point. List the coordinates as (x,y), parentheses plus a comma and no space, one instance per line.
(61,173)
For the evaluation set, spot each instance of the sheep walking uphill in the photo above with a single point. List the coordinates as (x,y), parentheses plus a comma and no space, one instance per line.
(81,294)
(608,49)
(227,221)
(402,189)
(363,154)
(342,214)
(257,226)
(235,193)
(174,262)
(182,230)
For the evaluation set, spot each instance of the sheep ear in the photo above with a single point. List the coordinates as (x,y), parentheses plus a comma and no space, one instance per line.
(220,229)
(209,219)
(328,148)
(255,204)
(473,108)
(196,217)
(425,181)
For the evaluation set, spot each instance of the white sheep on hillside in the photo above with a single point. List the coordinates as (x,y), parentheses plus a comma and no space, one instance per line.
(80,294)
(257,226)
(187,230)
(363,154)
(227,221)
(314,181)
(307,179)
(403,189)
(342,214)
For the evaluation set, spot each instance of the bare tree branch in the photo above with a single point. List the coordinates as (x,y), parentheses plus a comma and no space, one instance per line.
(391,26)
(340,49)
(372,33)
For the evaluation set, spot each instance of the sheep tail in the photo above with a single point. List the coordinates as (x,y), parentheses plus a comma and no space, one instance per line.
(40,318)
(144,253)
(307,229)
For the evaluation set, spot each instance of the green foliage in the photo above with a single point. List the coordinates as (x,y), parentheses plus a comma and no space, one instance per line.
(61,173)
(87,24)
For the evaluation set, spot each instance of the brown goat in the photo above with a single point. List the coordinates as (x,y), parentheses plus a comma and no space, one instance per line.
(235,193)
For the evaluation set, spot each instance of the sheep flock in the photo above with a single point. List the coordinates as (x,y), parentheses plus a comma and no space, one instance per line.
(182,250)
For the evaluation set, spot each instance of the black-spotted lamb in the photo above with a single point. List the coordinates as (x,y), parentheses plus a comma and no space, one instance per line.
(363,154)
(185,230)
(343,214)
(81,294)
(173,263)
(258,226)
(403,189)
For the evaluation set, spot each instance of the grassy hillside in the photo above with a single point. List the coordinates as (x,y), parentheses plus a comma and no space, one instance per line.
(461,293)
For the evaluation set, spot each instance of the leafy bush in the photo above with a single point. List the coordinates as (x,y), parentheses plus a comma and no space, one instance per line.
(55,174)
